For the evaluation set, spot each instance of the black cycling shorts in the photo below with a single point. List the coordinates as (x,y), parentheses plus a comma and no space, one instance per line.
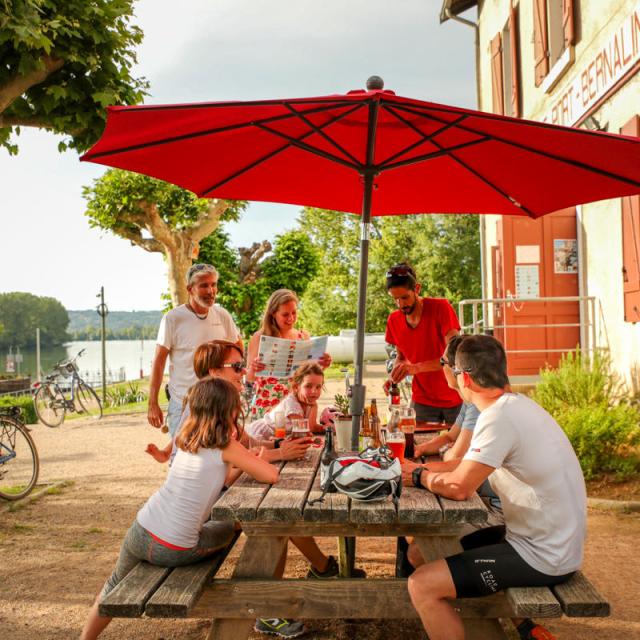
(489,564)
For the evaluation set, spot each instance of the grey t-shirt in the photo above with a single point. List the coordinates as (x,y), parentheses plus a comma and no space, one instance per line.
(468,416)
(538,479)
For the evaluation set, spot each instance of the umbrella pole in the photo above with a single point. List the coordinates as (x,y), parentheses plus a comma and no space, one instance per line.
(358,390)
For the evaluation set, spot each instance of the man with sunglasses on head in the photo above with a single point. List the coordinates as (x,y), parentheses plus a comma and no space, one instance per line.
(535,472)
(420,328)
(181,331)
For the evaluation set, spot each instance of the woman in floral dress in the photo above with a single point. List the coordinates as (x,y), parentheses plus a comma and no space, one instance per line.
(278,320)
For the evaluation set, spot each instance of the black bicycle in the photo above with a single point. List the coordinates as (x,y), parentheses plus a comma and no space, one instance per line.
(19,463)
(57,395)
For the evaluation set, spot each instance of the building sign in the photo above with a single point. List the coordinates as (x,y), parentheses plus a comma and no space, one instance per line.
(527,281)
(528,253)
(565,256)
(617,56)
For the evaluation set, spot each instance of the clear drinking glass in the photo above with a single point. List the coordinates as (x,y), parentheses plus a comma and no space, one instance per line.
(299,428)
(280,425)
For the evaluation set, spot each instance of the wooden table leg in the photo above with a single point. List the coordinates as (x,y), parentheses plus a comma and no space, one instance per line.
(259,559)
(346,555)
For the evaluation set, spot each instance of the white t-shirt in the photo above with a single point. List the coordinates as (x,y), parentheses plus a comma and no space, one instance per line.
(182,332)
(265,427)
(176,512)
(538,479)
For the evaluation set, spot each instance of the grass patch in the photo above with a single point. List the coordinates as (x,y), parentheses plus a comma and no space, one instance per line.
(15,506)
(79,545)
(95,530)
(22,528)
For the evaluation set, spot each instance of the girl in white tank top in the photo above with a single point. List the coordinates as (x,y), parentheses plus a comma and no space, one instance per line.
(172,528)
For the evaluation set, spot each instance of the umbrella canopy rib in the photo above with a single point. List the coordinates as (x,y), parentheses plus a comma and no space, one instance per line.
(272,154)
(435,154)
(210,132)
(425,138)
(309,148)
(540,152)
(323,134)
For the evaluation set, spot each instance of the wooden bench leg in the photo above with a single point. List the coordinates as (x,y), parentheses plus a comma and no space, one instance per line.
(260,558)
(346,555)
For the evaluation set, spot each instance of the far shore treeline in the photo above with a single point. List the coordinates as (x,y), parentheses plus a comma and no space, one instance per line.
(22,313)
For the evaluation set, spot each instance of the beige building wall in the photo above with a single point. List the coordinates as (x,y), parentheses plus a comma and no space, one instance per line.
(600,223)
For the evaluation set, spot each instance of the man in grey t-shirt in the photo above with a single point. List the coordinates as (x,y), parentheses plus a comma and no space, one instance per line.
(537,476)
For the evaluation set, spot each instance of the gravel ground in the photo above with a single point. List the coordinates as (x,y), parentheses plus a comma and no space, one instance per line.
(56,552)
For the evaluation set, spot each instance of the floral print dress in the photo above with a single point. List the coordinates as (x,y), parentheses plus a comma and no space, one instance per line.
(268,392)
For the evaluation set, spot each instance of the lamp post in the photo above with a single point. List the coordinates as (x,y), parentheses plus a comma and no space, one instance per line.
(103,312)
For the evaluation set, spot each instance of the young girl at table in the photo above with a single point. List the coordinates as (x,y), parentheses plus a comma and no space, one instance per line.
(172,528)
(305,388)
(279,321)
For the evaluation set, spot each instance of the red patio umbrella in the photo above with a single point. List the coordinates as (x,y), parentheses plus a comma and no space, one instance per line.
(369,152)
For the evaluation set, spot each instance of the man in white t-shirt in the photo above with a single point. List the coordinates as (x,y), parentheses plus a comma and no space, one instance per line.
(533,469)
(182,330)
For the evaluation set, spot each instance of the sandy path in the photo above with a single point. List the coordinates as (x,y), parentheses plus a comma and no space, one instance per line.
(56,553)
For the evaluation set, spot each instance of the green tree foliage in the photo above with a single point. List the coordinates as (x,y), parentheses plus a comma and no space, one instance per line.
(22,313)
(247,277)
(444,249)
(158,217)
(63,62)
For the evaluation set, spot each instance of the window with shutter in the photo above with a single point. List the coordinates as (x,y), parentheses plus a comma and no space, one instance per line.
(497,87)
(553,35)
(631,242)
(540,40)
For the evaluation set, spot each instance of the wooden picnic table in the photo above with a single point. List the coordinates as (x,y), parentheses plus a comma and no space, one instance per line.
(270,514)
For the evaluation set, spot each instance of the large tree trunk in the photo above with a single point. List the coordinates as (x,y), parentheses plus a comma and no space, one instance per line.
(179,258)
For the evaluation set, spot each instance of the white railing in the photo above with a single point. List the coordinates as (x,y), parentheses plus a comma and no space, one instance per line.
(586,322)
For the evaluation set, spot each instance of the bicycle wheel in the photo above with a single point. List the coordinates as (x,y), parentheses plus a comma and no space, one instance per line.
(50,404)
(87,400)
(19,463)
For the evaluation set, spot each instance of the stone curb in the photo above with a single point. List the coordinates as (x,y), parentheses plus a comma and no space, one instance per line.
(622,506)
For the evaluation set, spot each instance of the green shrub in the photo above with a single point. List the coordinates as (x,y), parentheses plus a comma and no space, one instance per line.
(603,438)
(25,403)
(129,393)
(579,381)
(588,401)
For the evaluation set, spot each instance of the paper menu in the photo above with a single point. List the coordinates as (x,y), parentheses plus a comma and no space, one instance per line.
(282,357)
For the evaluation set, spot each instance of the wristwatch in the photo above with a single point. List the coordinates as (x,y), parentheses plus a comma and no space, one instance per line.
(415,477)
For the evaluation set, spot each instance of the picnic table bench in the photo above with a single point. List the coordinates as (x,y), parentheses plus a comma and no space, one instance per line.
(269,514)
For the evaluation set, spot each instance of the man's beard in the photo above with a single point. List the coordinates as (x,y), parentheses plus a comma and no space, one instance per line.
(408,310)
(204,303)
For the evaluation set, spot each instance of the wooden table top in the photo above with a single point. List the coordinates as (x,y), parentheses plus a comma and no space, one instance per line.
(288,502)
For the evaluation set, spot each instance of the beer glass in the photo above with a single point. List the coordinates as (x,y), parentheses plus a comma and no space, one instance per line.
(396,443)
(280,425)
(299,428)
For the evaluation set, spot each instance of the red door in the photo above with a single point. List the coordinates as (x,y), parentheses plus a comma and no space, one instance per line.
(537,259)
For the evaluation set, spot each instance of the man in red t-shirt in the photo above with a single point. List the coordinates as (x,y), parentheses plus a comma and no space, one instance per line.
(420,329)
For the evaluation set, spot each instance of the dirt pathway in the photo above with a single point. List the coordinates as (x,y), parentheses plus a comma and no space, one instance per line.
(56,553)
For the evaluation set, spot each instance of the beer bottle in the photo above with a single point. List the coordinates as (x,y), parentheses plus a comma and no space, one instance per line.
(394,393)
(365,430)
(375,424)
(328,452)
(408,422)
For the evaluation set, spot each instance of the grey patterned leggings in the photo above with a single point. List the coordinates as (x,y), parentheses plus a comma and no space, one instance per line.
(139,545)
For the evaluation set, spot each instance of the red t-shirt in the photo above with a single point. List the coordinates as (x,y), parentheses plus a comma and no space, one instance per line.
(426,342)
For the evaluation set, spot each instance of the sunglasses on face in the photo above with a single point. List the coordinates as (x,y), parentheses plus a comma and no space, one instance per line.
(238,367)
(457,372)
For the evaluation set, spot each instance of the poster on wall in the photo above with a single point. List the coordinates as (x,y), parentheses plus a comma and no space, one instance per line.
(527,281)
(565,256)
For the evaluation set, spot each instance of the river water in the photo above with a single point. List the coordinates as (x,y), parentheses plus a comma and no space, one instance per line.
(126,359)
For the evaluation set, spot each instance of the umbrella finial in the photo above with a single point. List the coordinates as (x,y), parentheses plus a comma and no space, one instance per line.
(375,83)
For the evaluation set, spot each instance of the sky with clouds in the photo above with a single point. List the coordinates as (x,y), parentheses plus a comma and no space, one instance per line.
(206,50)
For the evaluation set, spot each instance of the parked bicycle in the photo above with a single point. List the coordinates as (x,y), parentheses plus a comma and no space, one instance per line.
(52,403)
(19,463)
